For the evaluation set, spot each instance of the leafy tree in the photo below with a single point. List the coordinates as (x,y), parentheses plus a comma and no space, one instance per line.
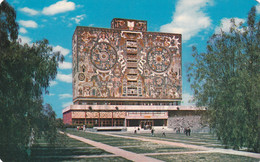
(25,74)
(8,26)
(60,124)
(49,124)
(225,79)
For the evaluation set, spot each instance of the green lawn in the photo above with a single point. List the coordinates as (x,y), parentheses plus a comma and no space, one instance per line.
(209,157)
(113,141)
(69,149)
(81,159)
(201,139)
(136,146)
(142,147)
(156,149)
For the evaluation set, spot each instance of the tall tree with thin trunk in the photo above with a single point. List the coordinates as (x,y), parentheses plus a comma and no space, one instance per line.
(25,74)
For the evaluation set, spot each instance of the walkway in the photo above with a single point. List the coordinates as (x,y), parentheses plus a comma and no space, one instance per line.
(115,150)
(143,157)
(206,149)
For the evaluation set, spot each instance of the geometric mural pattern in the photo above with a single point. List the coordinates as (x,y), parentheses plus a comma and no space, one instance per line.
(126,62)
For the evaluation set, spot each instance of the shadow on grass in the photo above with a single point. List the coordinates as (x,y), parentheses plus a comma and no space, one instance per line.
(204,157)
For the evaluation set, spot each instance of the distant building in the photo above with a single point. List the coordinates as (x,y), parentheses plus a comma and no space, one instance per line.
(125,76)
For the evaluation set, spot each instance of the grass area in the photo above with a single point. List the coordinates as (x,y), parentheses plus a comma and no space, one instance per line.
(69,159)
(204,157)
(73,150)
(109,140)
(136,146)
(105,159)
(68,150)
(156,149)
(200,139)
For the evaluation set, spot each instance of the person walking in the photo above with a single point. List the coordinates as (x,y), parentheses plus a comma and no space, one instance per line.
(188,131)
(152,132)
(163,132)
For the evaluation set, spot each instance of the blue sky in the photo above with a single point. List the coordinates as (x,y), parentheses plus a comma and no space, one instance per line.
(56,21)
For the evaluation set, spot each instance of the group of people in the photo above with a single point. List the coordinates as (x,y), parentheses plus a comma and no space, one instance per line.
(163,132)
(152,131)
(81,128)
(136,131)
(186,131)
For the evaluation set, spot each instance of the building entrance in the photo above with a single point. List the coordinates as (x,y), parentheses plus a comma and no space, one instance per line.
(146,124)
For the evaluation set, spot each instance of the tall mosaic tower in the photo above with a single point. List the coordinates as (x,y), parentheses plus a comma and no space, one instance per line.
(126,62)
(124,74)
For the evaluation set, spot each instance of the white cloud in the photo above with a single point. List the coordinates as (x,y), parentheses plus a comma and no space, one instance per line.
(59,7)
(51,94)
(53,83)
(188,19)
(23,30)
(226,24)
(78,18)
(187,99)
(193,44)
(65,65)
(29,11)
(64,77)
(65,104)
(63,51)
(66,95)
(28,23)
(23,39)
(258,8)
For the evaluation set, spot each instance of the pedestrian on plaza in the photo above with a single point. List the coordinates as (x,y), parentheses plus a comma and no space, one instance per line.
(163,132)
(178,130)
(152,132)
(188,131)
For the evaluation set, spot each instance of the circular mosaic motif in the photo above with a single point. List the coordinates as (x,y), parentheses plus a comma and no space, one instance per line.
(103,56)
(81,77)
(158,81)
(159,59)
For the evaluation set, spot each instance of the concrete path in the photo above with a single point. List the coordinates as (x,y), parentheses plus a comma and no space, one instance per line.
(211,150)
(115,150)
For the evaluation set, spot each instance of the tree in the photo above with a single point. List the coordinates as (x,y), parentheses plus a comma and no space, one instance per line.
(8,26)
(25,74)
(225,79)
(49,125)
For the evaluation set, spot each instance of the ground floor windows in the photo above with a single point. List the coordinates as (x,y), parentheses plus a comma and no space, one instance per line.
(130,93)
(109,122)
(99,122)
(146,123)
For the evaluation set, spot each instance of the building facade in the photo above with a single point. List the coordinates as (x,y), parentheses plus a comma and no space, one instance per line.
(124,76)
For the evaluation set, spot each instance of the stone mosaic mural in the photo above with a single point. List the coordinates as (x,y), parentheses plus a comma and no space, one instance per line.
(126,62)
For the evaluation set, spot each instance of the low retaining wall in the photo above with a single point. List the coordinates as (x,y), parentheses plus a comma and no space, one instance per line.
(181,122)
